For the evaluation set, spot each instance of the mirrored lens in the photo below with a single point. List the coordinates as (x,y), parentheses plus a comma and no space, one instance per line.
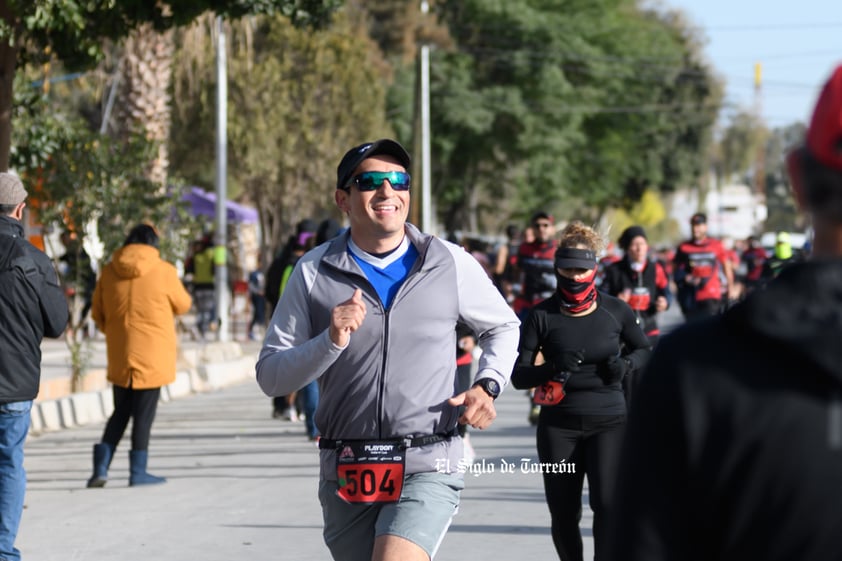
(371,180)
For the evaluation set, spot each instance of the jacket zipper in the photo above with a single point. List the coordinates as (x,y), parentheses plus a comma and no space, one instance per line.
(381,390)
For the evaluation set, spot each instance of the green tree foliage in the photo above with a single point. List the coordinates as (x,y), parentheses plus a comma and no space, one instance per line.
(76,31)
(571,105)
(655,112)
(392,26)
(744,136)
(297,101)
(80,177)
(77,179)
(499,121)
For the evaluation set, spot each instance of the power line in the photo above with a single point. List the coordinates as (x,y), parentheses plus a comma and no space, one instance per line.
(781,56)
(598,28)
(773,83)
(774,26)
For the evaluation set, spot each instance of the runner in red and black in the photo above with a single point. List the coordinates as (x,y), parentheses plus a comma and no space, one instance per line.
(643,284)
(696,269)
(753,257)
(536,268)
(535,262)
(639,281)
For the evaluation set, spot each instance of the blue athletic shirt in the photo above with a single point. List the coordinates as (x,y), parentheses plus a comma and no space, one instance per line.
(386,274)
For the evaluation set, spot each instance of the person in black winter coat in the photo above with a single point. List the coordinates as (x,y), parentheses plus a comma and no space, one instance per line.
(734,447)
(32,306)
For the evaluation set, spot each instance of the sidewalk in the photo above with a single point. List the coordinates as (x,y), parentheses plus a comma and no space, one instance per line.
(201,367)
(242,485)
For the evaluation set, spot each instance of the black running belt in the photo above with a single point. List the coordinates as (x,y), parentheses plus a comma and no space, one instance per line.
(408,441)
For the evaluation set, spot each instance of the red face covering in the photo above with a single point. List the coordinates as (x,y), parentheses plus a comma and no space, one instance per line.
(576,296)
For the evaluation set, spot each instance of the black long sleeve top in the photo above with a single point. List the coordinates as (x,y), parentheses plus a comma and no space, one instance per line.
(610,330)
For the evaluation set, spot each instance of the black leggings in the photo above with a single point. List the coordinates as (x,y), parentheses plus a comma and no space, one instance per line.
(138,405)
(592,444)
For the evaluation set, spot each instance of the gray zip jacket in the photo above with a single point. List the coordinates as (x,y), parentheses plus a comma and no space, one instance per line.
(399,369)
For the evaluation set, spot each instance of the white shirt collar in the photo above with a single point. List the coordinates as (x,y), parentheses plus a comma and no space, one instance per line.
(380,263)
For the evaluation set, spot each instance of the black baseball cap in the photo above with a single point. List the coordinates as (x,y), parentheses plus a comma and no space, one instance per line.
(355,156)
(699,218)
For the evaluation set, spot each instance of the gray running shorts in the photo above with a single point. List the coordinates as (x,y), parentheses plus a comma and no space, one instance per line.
(422,515)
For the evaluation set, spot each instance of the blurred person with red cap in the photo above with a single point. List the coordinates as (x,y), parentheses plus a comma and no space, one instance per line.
(734,450)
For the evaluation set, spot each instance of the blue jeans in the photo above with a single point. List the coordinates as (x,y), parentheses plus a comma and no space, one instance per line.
(205,303)
(258,312)
(14,424)
(309,396)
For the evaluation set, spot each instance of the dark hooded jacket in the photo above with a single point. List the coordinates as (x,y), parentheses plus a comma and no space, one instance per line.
(32,305)
(734,448)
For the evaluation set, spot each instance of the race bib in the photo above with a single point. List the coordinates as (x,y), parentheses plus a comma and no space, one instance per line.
(639,299)
(549,393)
(703,271)
(371,471)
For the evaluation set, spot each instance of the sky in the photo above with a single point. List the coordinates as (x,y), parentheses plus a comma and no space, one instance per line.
(797,42)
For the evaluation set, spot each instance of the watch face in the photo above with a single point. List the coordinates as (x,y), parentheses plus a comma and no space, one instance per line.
(492,387)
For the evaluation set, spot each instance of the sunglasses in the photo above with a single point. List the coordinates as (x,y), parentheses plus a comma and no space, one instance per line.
(372,180)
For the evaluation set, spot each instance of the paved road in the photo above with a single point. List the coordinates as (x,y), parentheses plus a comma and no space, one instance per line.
(243,486)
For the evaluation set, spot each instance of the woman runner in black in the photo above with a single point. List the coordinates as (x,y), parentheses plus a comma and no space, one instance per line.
(590,340)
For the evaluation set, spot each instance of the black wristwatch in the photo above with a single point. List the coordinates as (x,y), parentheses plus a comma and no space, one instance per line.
(490,386)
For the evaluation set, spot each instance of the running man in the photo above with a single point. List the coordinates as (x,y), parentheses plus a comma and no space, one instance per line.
(372,315)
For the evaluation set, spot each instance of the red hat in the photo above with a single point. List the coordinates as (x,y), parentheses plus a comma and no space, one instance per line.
(824,138)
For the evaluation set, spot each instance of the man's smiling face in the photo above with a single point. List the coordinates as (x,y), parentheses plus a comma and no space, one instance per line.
(377,217)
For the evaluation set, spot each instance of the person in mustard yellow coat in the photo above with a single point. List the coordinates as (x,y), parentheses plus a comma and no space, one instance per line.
(135,303)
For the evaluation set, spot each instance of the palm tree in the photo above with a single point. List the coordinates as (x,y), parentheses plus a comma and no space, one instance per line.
(143,99)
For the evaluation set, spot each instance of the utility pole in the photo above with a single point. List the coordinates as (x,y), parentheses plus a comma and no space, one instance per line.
(220,273)
(760,163)
(426,195)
